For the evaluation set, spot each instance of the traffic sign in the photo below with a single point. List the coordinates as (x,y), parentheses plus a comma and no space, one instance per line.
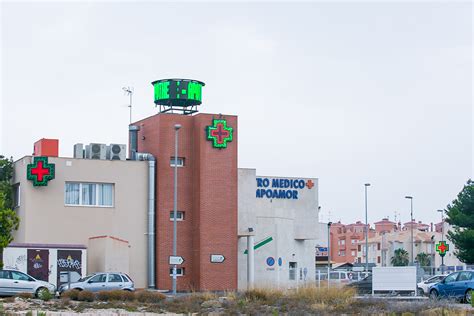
(176,260)
(217,258)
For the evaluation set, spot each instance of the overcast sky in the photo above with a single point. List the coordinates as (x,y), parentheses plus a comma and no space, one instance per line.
(346,92)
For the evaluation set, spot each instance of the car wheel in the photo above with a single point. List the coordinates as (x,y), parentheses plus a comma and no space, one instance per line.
(468,296)
(434,294)
(41,292)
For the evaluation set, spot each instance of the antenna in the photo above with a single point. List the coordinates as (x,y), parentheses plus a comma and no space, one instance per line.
(129,91)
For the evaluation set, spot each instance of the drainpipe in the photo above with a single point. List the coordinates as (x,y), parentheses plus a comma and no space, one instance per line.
(151,214)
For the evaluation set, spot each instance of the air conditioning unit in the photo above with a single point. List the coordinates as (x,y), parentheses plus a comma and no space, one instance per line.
(116,152)
(79,150)
(96,151)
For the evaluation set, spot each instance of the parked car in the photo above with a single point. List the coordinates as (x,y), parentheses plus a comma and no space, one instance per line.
(457,285)
(363,286)
(423,286)
(13,282)
(101,282)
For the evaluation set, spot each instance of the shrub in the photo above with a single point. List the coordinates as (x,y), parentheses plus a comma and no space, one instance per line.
(86,296)
(145,296)
(45,295)
(71,294)
(115,295)
(264,295)
(128,295)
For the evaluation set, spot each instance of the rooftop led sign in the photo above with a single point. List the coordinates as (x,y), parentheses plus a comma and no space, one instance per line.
(178,92)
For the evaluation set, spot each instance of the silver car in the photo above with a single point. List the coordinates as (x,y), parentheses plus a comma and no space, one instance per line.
(105,281)
(13,282)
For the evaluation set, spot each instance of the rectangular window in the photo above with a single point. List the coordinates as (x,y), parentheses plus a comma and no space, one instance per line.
(353,253)
(378,259)
(179,271)
(16,195)
(378,246)
(292,269)
(353,241)
(343,242)
(180,161)
(89,194)
(179,215)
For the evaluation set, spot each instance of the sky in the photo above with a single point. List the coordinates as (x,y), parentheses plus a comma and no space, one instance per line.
(347,92)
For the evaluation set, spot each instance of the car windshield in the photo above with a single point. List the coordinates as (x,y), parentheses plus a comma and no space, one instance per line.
(85,278)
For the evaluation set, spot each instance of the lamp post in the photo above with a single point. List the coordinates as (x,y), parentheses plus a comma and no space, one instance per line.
(329,251)
(175,202)
(442,238)
(366,231)
(411,224)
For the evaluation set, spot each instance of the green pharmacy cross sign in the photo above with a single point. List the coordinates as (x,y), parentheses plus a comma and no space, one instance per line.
(442,247)
(40,171)
(219,133)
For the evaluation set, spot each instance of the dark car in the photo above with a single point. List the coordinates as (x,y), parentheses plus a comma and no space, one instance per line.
(458,285)
(363,286)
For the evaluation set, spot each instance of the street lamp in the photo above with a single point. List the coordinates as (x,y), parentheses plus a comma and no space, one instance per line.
(175,202)
(442,238)
(329,251)
(366,232)
(411,224)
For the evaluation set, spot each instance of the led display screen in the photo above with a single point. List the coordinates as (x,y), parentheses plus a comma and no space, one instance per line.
(178,92)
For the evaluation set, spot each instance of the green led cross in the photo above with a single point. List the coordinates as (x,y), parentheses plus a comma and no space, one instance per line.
(219,133)
(40,171)
(442,247)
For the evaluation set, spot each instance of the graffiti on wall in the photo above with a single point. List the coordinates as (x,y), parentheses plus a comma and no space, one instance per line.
(38,261)
(15,263)
(69,260)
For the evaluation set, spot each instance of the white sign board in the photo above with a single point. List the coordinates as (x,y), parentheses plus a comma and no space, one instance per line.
(394,279)
(176,260)
(217,258)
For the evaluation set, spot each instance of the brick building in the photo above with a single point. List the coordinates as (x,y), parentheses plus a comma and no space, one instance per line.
(207,198)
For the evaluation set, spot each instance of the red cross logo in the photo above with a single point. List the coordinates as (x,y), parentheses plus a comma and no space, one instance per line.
(310,184)
(442,247)
(40,171)
(219,133)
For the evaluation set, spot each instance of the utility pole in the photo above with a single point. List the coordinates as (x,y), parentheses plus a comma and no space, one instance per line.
(329,252)
(411,225)
(442,238)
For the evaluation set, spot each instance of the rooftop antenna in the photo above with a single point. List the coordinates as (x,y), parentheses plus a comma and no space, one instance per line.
(129,91)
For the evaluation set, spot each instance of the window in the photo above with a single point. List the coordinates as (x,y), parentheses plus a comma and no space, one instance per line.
(180,162)
(451,278)
(179,271)
(114,278)
(99,278)
(353,241)
(464,276)
(353,253)
(343,241)
(89,194)
(378,259)
(179,215)
(19,276)
(292,266)
(378,246)
(5,274)
(16,195)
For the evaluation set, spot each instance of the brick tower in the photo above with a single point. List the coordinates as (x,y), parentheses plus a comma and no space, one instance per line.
(207,193)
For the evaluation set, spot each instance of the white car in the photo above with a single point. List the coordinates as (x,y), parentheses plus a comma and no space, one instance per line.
(423,286)
(13,282)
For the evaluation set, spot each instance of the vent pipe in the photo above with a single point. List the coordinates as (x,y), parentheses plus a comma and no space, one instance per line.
(133,136)
(151,212)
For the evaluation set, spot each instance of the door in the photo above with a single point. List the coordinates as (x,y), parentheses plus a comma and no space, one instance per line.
(69,260)
(6,283)
(447,287)
(114,281)
(22,283)
(96,283)
(461,284)
(38,264)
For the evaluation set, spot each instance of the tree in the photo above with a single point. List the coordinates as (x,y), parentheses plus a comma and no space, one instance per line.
(9,220)
(423,259)
(460,214)
(400,258)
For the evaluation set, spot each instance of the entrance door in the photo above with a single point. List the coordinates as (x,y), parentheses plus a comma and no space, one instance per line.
(69,260)
(38,264)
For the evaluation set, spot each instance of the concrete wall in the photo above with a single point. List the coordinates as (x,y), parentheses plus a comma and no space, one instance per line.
(107,253)
(291,224)
(46,219)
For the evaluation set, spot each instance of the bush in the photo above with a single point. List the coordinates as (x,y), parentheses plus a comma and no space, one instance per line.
(86,296)
(116,295)
(145,296)
(265,295)
(71,294)
(45,295)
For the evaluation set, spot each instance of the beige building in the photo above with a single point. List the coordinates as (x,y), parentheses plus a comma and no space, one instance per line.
(100,204)
(382,248)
